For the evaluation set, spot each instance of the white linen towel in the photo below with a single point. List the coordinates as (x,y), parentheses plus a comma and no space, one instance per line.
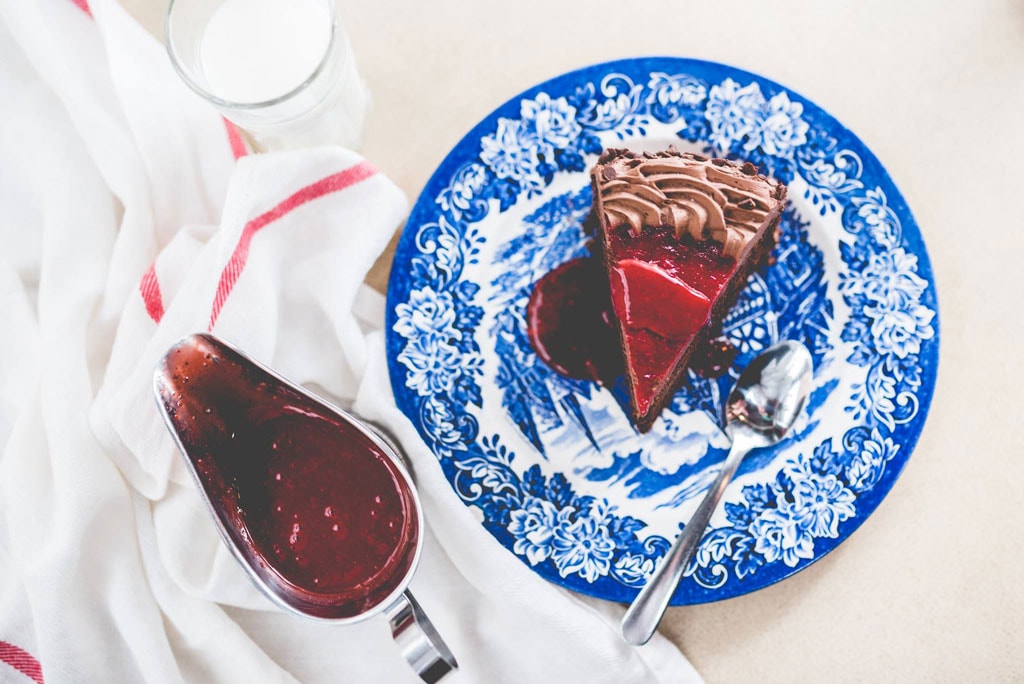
(132,216)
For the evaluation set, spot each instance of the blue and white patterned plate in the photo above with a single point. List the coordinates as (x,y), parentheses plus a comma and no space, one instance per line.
(552,465)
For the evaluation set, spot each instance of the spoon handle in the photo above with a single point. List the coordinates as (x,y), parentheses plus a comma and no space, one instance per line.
(644,614)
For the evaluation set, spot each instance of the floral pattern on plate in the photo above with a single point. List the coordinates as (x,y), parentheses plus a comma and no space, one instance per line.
(552,465)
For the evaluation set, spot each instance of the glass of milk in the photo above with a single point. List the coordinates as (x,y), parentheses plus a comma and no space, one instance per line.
(282,70)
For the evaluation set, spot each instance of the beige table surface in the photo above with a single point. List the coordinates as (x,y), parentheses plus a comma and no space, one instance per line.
(931,587)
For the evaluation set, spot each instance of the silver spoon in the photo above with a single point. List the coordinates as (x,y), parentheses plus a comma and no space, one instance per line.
(760,410)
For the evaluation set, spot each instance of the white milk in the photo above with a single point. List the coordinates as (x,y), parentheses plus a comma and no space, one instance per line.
(257,50)
(254,51)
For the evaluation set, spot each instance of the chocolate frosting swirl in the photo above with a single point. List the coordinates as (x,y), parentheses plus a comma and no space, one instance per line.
(705,198)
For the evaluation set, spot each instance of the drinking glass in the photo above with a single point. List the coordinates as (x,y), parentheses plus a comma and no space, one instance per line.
(282,70)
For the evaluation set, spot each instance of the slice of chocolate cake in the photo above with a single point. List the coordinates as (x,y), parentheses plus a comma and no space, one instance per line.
(679,234)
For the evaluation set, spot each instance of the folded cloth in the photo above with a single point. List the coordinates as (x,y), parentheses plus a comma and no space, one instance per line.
(133,216)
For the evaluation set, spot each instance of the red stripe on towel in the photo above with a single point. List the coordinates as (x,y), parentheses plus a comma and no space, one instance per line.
(22,661)
(238,147)
(83,5)
(149,288)
(236,264)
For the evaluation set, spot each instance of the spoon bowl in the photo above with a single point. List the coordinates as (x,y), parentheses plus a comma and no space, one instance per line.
(761,409)
(770,395)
